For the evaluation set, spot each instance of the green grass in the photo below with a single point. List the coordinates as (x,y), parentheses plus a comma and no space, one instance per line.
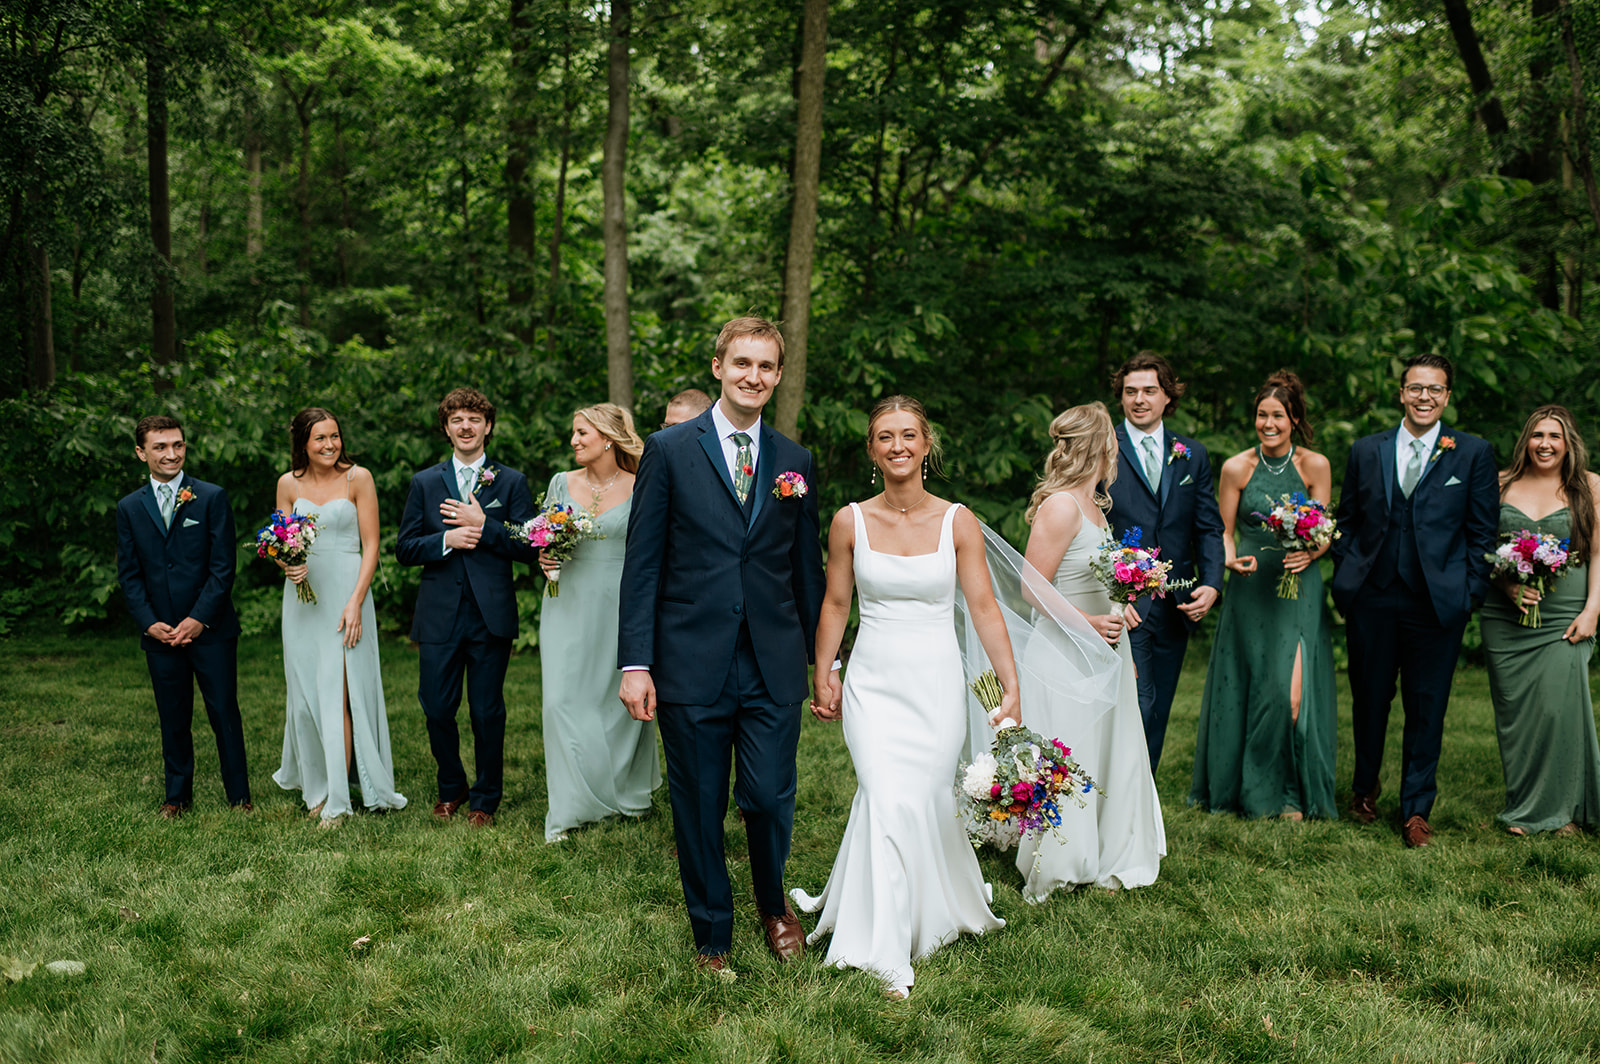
(1262,941)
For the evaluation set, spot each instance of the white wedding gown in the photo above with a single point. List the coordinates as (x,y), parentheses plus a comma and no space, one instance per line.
(1118,839)
(906,880)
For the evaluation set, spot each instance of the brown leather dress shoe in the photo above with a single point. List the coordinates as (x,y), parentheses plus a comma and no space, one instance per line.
(445,810)
(1416,832)
(479,819)
(171,811)
(717,966)
(244,807)
(1364,807)
(784,936)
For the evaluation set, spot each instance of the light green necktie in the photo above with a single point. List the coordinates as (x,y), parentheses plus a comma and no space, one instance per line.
(1413,471)
(1152,463)
(166,493)
(466,480)
(745,473)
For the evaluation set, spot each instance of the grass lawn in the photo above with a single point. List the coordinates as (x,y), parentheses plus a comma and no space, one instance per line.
(224,937)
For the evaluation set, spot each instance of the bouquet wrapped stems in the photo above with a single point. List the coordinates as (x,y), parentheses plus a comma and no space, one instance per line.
(1289,585)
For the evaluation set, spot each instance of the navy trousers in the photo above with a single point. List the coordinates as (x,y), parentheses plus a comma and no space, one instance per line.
(174,674)
(744,727)
(1394,635)
(1158,646)
(480,657)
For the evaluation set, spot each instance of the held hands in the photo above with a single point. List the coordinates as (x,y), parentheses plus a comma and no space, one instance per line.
(350,624)
(829,703)
(1200,602)
(1245,564)
(638,693)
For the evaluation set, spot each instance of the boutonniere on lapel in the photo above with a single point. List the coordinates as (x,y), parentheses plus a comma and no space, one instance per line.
(1446,443)
(790,485)
(185,496)
(1178,451)
(486,477)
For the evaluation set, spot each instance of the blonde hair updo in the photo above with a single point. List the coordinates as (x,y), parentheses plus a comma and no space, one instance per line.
(616,425)
(1085,450)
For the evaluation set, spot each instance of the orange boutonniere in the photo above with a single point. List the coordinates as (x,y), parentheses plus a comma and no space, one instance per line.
(790,485)
(1446,443)
(185,496)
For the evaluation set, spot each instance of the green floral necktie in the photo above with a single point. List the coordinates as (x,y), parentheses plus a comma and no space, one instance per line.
(746,470)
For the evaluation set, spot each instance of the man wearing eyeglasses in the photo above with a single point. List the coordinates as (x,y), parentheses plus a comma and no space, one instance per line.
(1418,512)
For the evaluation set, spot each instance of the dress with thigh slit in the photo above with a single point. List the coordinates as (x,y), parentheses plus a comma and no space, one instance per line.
(316,668)
(1252,755)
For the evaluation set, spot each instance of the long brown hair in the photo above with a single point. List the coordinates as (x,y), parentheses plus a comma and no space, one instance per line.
(1574,474)
(1085,449)
(300,435)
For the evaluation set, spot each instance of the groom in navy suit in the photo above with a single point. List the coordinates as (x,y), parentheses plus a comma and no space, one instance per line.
(721,590)
(1163,487)
(1418,512)
(175,555)
(456,526)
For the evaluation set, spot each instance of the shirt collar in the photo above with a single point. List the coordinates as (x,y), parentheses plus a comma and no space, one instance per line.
(1429,439)
(455,463)
(176,484)
(1136,436)
(725,428)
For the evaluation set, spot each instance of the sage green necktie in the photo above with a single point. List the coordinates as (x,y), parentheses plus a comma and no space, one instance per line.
(1152,463)
(165,491)
(746,470)
(1413,470)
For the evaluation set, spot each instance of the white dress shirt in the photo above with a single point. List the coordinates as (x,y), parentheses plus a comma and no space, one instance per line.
(456,469)
(1402,450)
(176,484)
(1136,438)
(730,449)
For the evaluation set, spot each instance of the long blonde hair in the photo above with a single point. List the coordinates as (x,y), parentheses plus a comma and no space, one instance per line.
(616,425)
(1085,450)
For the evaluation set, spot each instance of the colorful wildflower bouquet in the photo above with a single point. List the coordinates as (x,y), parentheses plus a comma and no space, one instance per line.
(1533,559)
(287,538)
(1128,570)
(1015,790)
(557,530)
(1298,523)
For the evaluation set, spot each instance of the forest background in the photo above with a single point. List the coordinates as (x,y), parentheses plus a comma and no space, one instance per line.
(229,211)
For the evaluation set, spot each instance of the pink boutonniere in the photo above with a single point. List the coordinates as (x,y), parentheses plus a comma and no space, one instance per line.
(790,486)
(185,496)
(486,477)
(1446,443)
(1178,451)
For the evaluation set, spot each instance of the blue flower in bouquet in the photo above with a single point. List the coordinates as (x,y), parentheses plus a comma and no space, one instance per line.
(1132,536)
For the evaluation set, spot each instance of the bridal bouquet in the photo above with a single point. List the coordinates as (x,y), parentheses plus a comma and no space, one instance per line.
(1014,791)
(1128,570)
(557,530)
(1534,559)
(1298,523)
(287,538)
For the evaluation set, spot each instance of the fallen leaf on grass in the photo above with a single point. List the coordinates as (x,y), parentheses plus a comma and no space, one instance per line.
(1266,1021)
(362,943)
(14,969)
(128,914)
(65,968)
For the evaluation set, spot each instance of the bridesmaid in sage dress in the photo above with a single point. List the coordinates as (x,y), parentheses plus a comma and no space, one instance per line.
(336,728)
(1268,718)
(1539,677)
(599,761)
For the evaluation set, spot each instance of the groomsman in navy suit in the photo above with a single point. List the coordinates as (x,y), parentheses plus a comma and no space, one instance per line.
(1163,486)
(721,590)
(1418,511)
(457,526)
(175,561)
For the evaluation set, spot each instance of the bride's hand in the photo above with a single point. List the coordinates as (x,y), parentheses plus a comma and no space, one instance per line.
(1109,625)
(1009,712)
(826,707)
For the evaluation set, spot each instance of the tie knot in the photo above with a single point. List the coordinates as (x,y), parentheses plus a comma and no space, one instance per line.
(741,438)
(1416,446)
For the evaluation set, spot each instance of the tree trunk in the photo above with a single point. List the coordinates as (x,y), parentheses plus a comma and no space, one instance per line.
(346,223)
(1488,108)
(1582,159)
(522,127)
(303,202)
(41,348)
(613,167)
(797,266)
(164,323)
(252,168)
(568,103)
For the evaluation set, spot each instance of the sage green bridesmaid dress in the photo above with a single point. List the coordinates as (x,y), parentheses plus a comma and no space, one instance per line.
(1252,757)
(599,761)
(1539,683)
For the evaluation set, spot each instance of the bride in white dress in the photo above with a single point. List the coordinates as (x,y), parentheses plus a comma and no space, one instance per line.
(906,880)
(1117,839)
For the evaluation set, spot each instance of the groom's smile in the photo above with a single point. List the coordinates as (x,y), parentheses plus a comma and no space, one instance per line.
(749,372)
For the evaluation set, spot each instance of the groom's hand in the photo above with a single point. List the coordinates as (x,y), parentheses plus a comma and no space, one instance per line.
(456,513)
(827,705)
(638,693)
(462,538)
(1200,603)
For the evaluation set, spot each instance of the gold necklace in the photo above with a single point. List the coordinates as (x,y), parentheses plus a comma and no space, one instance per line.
(905,509)
(599,493)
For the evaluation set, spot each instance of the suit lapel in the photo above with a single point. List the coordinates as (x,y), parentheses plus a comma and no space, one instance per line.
(764,474)
(1437,455)
(1125,446)
(447,470)
(713,448)
(1169,471)
(154,508)
(1386,463)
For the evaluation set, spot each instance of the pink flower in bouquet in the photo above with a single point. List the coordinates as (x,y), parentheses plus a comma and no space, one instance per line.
(1126,573)
(996,791)
(1022,790)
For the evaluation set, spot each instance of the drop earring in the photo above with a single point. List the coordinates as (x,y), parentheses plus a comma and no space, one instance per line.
(924,469)
(874,474)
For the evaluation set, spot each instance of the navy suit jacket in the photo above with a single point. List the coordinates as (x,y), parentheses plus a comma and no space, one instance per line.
(696,568)
(187,570)
(1181,517)
(486,569)
(1455,513)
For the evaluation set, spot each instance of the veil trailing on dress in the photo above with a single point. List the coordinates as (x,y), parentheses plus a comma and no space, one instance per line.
(1066,673)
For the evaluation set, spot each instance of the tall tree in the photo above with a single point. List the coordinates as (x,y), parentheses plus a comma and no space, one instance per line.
(613,170)
(522,127)
(801,254)
(163,309)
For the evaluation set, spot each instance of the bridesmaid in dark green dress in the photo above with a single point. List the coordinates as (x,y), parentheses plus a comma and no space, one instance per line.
(1539,677)
(1268,718)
